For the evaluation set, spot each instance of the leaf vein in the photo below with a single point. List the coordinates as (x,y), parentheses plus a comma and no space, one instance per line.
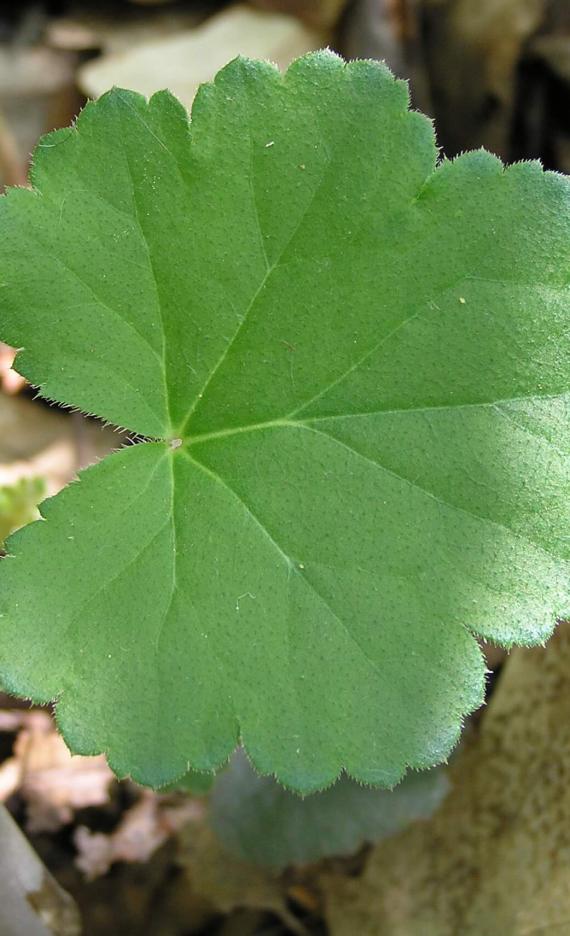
(290,563)
(444,503)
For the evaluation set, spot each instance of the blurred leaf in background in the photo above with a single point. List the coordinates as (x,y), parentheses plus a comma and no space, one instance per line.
(195,782)
(189,57)
(19,504)
(261,821)
(51,783)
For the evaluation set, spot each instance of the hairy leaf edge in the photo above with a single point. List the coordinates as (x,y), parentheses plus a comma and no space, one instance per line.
(442,166)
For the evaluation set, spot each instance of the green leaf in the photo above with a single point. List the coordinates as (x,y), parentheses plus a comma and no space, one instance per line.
(193,782)
(354,368)
(19,504)
(258,820)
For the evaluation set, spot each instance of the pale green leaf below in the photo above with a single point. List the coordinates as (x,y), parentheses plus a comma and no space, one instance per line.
(193,782)
(19,504)
(366,360)
(258,820)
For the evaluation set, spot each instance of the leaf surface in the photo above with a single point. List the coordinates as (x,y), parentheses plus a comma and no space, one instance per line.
(351,366)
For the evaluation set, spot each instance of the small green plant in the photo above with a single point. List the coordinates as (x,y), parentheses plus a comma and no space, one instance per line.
(19,505)
(348,363)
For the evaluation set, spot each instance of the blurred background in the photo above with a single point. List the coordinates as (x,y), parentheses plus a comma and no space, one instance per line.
(442,854)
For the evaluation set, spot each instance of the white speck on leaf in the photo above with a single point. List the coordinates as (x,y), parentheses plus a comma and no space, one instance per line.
(245,595)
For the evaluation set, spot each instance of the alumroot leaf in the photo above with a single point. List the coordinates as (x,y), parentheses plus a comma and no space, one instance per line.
(351,365)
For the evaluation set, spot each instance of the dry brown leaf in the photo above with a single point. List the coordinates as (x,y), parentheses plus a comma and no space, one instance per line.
(143,829)
(27,71)
(495,859)
(227,883)
(182,62)
(52,782)
(118,29)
